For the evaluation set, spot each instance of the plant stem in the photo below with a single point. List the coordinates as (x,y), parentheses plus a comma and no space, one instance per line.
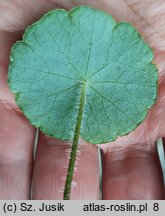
(75,144)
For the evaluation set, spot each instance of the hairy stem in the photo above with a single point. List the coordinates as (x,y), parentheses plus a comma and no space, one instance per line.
(75,144)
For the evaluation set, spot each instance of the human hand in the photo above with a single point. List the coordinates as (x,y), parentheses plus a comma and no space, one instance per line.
(131,168)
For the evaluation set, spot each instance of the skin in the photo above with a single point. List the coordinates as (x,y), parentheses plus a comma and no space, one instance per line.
(131,169)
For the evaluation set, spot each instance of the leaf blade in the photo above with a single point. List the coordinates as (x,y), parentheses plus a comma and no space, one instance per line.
(65,49)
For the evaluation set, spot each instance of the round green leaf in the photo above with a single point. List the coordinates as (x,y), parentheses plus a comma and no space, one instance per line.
(82,71)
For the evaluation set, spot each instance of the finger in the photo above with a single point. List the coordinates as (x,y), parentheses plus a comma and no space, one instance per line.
(16,142)
(132,172)
(16,15)
(163,167)
(16,135)
(52,163)
(51,166)
(68,4)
